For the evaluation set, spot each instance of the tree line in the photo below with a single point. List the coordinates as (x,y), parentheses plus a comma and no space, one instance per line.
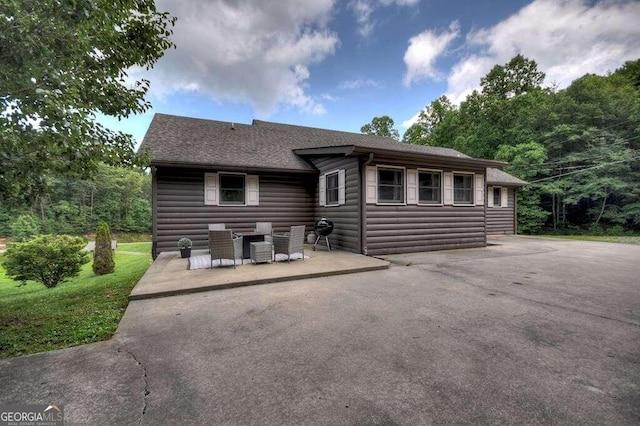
(118,196)
(579,147)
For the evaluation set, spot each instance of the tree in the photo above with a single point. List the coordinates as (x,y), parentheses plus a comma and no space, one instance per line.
(60,64)
(525,161)
(24,228)
(381,126)
(519,76)
(416,135)
(47,259)
(103,262)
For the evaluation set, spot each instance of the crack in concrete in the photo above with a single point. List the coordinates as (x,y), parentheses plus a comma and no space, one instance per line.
(145,378)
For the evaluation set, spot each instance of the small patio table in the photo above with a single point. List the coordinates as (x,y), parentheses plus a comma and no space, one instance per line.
(261,252)
(247,239)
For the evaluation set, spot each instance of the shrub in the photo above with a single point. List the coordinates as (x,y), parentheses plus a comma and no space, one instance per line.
(184,243)
(47,259)
(103,262)
(24,228)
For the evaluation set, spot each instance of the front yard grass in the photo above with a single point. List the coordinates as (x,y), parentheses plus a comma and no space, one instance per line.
(85,309)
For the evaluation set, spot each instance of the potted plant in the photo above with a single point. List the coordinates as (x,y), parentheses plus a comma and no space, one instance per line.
(184,244)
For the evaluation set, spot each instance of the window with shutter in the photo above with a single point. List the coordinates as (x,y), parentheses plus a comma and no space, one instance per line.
(231,189)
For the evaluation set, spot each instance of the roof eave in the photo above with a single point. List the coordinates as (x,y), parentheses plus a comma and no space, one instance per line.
(228,167)
(504,183)
(467,161)
(325,150)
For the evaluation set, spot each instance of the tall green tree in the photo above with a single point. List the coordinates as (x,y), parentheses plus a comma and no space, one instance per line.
(381,126)
(526,161)
(61,62)
(588,132)
(517,77)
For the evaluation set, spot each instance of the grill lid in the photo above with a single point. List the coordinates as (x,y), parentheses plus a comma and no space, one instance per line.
(323,227)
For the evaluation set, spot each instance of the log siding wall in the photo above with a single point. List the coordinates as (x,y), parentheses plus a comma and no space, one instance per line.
(346,218)
(501,220)
(285,200)
(411,228)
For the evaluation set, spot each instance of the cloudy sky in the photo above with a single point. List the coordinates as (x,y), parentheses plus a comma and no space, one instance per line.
(337,64)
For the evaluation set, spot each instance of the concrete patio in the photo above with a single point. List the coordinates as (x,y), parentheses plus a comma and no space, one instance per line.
(169,276)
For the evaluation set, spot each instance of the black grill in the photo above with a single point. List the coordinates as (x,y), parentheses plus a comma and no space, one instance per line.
(323,227)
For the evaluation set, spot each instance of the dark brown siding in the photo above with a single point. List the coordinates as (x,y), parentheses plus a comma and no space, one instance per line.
(285,200)
(501,220)
(413,228)
(346,220)
(405,229)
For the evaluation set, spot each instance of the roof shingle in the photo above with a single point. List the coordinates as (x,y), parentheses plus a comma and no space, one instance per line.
(178,140)
(498,177)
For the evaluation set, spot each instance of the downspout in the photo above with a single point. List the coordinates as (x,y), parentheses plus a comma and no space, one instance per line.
(363,204)
(154,213)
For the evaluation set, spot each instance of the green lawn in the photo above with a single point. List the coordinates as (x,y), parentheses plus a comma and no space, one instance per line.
(84,309)
(608,239)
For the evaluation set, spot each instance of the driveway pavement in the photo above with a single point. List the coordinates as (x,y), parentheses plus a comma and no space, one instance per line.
(527,331)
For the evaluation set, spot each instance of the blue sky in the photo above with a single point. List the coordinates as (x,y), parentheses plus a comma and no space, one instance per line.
(337,64)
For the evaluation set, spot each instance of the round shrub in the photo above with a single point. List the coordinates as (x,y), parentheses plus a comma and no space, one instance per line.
(47,259)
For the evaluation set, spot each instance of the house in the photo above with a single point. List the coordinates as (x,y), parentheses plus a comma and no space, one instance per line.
(383,196)
(501,202)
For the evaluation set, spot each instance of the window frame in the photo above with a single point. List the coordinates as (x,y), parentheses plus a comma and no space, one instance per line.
(220,189)
(403,172)
(430,171)
(472,203)
(493,195)
(335,203)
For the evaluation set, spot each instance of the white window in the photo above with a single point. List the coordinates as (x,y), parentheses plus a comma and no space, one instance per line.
(498,196)
(231,189)
(390,185)
(429,187)
(331,188)
(463,188)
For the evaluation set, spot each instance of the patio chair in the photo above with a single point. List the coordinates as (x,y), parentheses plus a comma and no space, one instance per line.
(266,229)
(224,245)
(216,227)
(290,243)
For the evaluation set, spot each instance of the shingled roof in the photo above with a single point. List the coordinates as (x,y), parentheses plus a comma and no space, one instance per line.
(175,140)
(498,177)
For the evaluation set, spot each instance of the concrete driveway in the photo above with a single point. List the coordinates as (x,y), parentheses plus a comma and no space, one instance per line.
(527,331)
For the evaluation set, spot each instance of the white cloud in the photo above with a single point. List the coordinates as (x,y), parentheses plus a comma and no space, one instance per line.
(566,38)
(413,120)
(423,51)
(360,83)
(364,9)
(246,51)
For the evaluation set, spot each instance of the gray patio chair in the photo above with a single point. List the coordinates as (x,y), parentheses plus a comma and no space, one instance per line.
(290,243)
(224,245)
(216,227)
(266,229)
